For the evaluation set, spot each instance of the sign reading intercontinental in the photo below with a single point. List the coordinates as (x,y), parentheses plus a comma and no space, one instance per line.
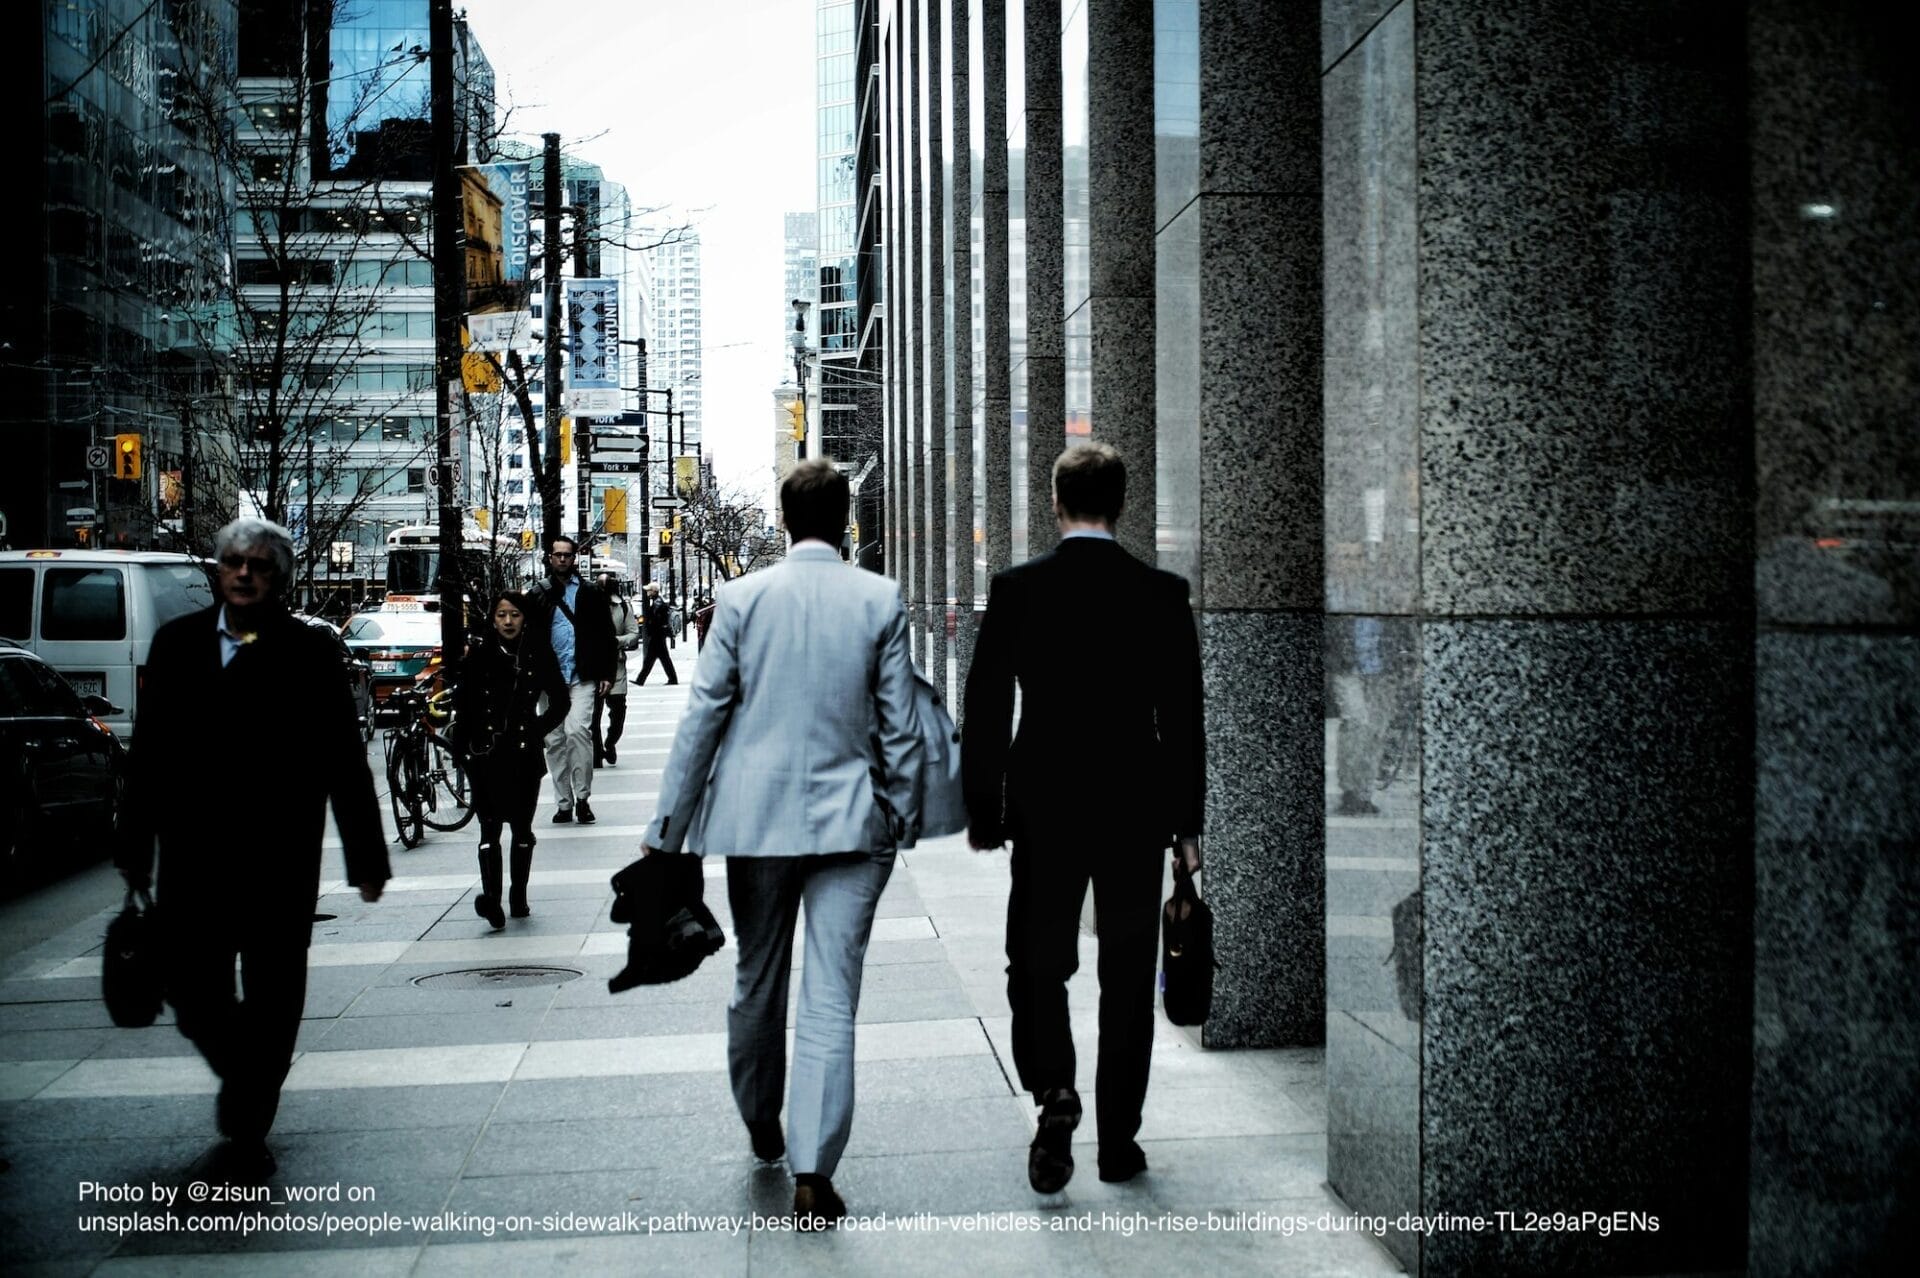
(497,215)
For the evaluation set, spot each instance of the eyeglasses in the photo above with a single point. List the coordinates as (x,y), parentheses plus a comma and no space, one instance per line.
(560,554)
(256,564)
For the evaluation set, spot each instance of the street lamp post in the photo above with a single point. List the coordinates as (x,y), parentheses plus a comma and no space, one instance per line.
(799,341)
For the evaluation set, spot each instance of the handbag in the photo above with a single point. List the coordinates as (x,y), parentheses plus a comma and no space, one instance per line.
(1186,952)
(943,804)
(132,975)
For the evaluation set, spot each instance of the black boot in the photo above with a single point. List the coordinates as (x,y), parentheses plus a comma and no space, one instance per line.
(522,866)
(487,904)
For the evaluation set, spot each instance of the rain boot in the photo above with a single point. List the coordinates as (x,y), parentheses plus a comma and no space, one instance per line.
(487,904)
(522,857)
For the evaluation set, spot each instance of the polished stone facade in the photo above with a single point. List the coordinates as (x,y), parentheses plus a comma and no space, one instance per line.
(1527,395)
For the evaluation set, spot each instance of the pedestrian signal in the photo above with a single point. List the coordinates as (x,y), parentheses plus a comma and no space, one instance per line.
(526,539)
(666,542)
(126,457)
(797,416)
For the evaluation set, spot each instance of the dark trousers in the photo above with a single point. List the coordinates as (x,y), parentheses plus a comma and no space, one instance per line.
(247,1041)
(657,651)
(505,786)
(1043,950)
(614,704)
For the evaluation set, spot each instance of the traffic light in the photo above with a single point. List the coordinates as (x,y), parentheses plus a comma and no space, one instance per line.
(797,415)
(666,543)
(126,457)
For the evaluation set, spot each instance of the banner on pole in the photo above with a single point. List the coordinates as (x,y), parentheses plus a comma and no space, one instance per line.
(496,212)
(593,335)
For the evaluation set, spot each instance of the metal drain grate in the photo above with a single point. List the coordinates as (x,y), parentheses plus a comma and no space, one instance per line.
(497,978)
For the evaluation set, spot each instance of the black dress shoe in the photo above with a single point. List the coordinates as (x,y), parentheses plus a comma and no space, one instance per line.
(242,1162)
(1050,1158)
(563,817)
(583,813)
(815,1205)
(1122,1164)
(488,908)
(768,1142)
(612,757)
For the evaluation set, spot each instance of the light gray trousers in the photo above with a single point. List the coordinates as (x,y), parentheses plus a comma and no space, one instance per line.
(765,893)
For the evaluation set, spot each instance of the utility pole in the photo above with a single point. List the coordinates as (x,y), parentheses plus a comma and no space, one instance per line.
(449,279)
(550,500)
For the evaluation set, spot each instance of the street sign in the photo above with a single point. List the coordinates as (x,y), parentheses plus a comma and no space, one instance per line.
(667,503)
(97,457)
(81,515)
(617,444)
(604,466)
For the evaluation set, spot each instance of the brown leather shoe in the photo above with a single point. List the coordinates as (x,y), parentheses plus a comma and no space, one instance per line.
(815,1205)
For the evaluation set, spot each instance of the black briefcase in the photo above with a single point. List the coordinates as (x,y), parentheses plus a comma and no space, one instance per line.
(1186,952)
(132,970)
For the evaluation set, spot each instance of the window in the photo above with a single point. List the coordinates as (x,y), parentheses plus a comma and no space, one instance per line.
(83,604)
(516,486)
(177,590)
(16,603)
(23,691)
(416,479)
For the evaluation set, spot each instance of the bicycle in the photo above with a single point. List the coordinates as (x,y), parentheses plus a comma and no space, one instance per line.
(426,778)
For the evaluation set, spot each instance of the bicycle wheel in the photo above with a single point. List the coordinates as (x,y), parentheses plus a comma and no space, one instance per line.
(448,806)
(403,793)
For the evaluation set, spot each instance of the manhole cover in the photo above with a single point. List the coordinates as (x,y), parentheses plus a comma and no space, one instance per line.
(494,978)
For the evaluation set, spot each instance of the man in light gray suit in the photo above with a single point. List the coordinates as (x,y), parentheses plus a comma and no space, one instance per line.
(798,760)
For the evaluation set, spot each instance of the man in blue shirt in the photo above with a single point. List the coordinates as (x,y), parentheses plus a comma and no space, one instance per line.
(581,630)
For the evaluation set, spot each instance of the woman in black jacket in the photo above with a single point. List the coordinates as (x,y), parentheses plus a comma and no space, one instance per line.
(499,727)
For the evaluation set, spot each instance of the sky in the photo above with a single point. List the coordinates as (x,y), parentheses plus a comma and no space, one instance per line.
(704,106)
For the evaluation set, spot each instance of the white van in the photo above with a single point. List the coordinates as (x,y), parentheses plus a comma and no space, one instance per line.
(91,614)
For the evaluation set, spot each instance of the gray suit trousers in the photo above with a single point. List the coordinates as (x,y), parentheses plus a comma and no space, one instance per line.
(841,892)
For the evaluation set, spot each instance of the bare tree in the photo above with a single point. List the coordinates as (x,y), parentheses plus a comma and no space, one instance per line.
(313,321)
(728,530)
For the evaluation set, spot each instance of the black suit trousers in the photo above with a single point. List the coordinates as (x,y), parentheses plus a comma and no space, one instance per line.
(1050,880)
(248,1041)
(657,652)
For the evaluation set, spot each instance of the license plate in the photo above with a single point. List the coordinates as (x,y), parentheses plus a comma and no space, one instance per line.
(88,685)
(386,667)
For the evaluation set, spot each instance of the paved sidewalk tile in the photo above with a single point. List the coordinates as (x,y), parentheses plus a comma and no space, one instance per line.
(552,1127)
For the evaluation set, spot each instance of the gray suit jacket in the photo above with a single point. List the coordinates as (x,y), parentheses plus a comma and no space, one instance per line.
(800,734)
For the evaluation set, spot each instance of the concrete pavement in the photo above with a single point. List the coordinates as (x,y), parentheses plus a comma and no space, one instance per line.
(447,1122)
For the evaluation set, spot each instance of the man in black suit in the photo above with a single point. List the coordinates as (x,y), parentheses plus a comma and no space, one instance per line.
(1107,771)
(239,828)
(576,620)
(656,628)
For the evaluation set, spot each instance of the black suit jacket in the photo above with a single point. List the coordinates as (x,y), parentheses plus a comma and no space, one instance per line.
(1111,744)
(596,653)
(232,769)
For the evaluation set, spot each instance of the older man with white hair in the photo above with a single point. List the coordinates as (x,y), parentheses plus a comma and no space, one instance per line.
(246,732)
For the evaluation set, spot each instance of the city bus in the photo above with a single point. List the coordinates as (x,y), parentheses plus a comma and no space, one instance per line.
(488,562)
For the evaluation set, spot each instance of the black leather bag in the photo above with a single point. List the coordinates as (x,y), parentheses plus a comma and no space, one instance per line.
(1186,953)
(132,970)
(670,930)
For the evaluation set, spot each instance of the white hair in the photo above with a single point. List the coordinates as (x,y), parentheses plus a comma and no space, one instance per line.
(249,533)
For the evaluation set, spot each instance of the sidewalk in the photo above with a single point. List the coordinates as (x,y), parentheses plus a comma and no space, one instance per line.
(611,1114)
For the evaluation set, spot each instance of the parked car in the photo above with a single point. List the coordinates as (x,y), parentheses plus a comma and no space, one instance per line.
(62,770)
(397,644)
(91,614)
(359,673)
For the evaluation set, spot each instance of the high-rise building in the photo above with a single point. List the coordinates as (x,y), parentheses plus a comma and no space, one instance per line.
(96,339)
(847,424)
(332,248)
(802,277)
(674,341)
